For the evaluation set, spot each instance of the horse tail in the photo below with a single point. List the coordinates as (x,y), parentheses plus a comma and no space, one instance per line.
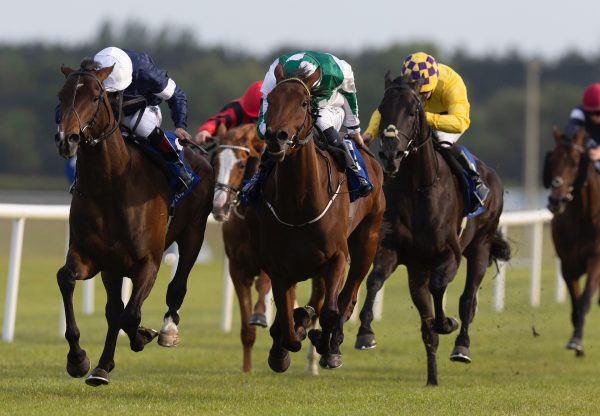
(500,249)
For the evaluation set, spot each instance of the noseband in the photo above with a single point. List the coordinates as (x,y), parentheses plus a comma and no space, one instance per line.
(85,131)
(392,132)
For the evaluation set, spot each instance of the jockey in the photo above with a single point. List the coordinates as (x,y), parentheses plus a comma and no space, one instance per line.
(137,77)
(239,111)
(335,100)
(446,108)
(587,116)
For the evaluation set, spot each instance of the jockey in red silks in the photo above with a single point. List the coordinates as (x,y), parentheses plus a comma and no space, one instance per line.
(239,111)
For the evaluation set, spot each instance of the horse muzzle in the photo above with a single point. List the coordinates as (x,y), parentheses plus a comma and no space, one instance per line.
(557,205)
(67,143)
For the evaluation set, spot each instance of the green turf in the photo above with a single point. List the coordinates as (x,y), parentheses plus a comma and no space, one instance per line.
(513,372)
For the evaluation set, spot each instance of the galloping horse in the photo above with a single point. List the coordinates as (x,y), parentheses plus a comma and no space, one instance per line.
(423,226)
(119,221)
(236,158)
(575,202)
(305,228)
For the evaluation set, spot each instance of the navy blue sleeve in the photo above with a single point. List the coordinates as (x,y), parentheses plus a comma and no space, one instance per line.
(178,105)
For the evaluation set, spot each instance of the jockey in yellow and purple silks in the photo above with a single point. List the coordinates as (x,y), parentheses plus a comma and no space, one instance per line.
(446,106)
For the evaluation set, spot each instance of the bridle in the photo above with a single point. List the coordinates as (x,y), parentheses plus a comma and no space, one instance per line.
(558,181)
(85,131)
(224,186)
(295,141)
(392,132)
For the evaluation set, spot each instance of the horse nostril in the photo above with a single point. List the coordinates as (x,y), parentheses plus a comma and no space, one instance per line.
(74,138)
(381,155)
(58,137)
(282,135)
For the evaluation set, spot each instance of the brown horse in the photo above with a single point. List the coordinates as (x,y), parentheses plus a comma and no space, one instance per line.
(575,202)
(305,228)
(119,221)
(423,226)
(236,158)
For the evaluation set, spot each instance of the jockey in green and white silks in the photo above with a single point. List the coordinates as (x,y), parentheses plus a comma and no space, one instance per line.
(333,95)
(336,99)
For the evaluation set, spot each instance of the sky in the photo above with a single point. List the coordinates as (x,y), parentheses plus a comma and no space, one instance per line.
(545,29)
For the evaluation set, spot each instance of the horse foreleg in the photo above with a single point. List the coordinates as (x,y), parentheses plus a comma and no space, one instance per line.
(386,261)
(583,304)
(177,289)
(243,285)
(78,363)
(282,331)
(259,314)
(142,281)
(438,282)
(328,341)
(477,260)
(113,311)
(421,297)
(571,278)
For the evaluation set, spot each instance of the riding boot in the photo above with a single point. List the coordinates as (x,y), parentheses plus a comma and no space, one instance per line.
(159,141)
(481,190)
(250,192)
(347,161)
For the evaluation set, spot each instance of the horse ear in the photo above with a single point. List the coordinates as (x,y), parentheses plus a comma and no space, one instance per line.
(418,84)
(221,130)
(103,73)
(279,73)
(556,133)
(66,70)
(388,79)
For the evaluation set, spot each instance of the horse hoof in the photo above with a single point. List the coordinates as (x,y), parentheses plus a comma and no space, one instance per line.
(143,337)
(365,342)
(258,319)
(303,316)
(449,326)
(575,344)
(166,339)
(279,364)
(331,361)
(79,369)
(315,338)
(460,354)
(98,377)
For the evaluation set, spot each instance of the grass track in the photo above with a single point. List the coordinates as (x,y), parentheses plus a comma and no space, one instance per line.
(512,372)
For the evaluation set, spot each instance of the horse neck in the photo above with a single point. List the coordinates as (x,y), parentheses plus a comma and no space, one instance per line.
(301,181)
(589,195)
(100,167)
(421,167)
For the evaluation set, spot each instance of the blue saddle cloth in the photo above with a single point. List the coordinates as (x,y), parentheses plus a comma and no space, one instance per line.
(469,194)
(172,169)
(353,184)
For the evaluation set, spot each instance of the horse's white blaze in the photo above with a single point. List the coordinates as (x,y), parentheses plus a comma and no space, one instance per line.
(227,161)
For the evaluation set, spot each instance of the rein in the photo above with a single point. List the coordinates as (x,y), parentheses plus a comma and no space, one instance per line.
(88,138)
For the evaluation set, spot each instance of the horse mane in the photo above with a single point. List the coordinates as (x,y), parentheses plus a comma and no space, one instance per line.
(88,64)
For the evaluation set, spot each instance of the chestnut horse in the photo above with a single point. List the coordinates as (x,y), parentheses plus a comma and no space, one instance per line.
(119,221)
(575,202)
(423,226)
(305,228)
(235,158)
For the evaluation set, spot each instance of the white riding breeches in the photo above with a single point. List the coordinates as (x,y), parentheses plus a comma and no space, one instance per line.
(448,137)
(330,117)
(151,119)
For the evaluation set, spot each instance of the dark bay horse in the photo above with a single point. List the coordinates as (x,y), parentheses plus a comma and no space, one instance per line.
(305,228)
(575,202)
(236,158)
(423,226)
(119,222)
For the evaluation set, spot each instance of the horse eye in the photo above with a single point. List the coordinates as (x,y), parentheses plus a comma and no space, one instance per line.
(304,103)
(242,165)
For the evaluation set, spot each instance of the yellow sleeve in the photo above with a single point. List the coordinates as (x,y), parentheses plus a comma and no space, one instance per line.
(456,119)
(373,128)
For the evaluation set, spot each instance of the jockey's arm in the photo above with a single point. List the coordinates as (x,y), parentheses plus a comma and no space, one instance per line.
(456,118)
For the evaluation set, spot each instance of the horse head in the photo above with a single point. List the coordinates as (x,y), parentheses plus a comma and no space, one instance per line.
(563,166)
(289,117)
(402,121)
(81,100)
(235,159)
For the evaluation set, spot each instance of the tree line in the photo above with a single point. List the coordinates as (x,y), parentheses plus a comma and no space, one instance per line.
(30,78)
